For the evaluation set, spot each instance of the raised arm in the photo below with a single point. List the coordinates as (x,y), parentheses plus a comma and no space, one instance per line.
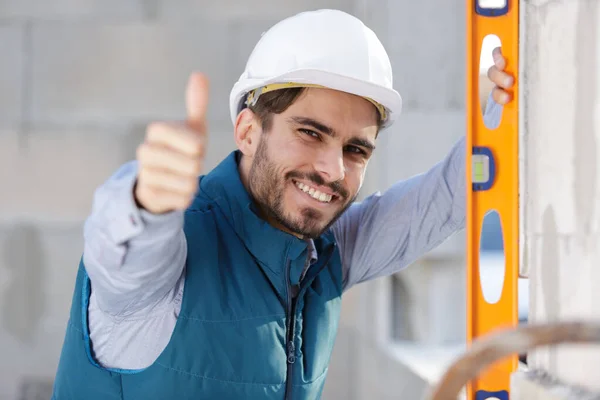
(132,257)
(135,247)
(388,231)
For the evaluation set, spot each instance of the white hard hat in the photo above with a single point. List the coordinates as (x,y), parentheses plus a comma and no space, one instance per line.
(324,48)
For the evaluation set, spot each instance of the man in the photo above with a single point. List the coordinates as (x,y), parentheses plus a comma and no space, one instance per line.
(229,286)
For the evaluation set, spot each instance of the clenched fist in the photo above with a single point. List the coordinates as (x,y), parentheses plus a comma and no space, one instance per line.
(172,155)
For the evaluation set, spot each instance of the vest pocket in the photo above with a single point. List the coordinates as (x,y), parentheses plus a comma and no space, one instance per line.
(248,350)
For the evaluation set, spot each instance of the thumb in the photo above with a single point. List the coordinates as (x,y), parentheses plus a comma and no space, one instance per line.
(196,100)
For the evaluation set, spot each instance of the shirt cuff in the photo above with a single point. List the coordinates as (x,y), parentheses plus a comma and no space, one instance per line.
(127,221)
(161,224)
(493,113)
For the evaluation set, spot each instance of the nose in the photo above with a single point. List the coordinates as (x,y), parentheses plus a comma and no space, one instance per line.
(330,164)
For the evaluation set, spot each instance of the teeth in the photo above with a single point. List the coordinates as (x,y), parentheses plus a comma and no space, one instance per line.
(315,194)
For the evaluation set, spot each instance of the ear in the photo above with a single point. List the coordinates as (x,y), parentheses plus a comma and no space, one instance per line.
(247,131)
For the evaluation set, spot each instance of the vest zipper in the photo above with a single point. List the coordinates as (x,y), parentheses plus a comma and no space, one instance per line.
(291,320)
(290,328)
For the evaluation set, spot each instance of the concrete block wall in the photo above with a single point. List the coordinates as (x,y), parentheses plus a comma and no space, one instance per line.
(80,79)
(539,385)
(561,143)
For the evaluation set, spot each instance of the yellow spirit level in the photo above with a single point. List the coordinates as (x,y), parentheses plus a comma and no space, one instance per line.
(492,184)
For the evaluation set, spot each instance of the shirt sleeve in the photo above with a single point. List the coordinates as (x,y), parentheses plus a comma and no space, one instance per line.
(133,258)
(386,232)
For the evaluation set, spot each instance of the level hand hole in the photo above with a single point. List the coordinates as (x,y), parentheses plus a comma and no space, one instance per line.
(492,113)
(492,4)
(491,258)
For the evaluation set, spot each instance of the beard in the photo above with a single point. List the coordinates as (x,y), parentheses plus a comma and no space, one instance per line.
(268,185)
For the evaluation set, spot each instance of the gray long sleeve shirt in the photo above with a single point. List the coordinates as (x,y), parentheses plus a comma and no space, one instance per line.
(135,260)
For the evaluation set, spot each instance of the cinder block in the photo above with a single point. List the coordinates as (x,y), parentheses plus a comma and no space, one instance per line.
(362,369)
(560,147)
(11,73)
(417,141)
(90,73)
(87,9)
(538,385)
(51,175)
(38,264)
(220,144)
(380,375)
(427,47)
(561,136)
(339,383)
(244,10)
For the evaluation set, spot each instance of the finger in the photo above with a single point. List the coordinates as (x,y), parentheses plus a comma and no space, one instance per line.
(168,181)
(178,138)
(196,101)
(500,78)
(160,157)
(499,60)
(500,96)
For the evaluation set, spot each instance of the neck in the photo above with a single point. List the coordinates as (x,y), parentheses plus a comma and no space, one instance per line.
(244,169)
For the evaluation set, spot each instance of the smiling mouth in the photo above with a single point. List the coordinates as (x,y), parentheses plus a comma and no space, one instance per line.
(314,193)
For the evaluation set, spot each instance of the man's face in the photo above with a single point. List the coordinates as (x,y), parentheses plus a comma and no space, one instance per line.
(310,165)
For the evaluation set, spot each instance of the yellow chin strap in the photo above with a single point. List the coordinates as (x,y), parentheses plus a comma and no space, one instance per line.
(255,94)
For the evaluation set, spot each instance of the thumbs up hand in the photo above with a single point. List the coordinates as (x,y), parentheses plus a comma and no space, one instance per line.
(172,155)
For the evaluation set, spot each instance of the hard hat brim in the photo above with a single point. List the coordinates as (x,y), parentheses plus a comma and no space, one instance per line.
(389,98)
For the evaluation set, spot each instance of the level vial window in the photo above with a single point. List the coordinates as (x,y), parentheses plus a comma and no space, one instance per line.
(481,168)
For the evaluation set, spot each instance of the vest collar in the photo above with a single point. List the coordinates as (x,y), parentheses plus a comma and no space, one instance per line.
(270,246)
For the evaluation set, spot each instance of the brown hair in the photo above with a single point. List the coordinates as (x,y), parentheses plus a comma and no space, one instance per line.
(276,102)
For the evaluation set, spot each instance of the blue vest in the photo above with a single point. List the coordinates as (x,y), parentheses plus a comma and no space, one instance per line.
(247,328)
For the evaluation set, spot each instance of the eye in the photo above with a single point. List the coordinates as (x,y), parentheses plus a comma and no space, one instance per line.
(355,150)
(311,133)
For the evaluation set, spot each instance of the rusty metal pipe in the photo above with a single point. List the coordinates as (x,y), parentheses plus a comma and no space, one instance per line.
(497,346)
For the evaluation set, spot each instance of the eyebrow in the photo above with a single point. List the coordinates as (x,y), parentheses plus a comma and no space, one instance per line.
(315,124)
(330,131)
(362,142)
